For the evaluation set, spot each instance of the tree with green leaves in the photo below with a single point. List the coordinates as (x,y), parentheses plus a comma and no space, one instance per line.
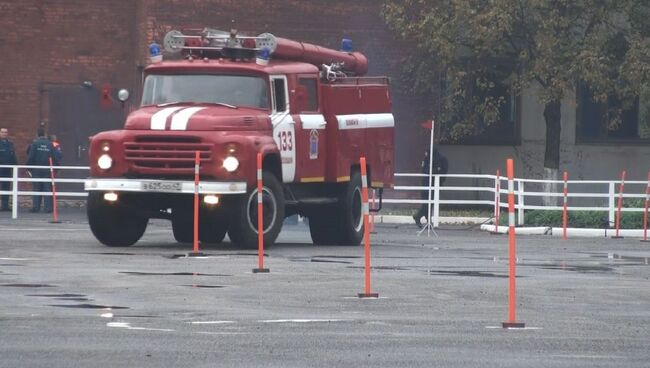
(479,47)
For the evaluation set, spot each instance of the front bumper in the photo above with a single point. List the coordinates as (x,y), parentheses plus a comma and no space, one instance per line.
(163,186)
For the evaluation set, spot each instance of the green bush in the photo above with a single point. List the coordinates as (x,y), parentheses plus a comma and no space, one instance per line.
(580,219)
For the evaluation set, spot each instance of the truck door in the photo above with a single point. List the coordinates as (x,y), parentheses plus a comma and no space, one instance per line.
(284,132)
(310,131)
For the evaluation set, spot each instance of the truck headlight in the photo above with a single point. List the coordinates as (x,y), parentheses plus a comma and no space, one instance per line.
(104,162)
(231,163)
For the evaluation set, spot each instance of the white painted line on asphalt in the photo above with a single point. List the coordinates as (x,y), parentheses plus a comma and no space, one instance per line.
(118,324)
(211,322)
(303,320)
(576,356)
(106,315)
(15,259)
(129,327)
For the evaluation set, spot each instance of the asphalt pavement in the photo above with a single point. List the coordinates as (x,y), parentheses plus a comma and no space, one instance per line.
(68,301)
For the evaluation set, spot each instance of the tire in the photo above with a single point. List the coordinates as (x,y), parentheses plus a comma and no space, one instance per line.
(325,226)
(212,228)
(113,224)
(351,215)
(243,223)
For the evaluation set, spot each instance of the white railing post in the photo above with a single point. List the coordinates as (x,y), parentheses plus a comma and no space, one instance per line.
(436,201)
(520,202)
(14,192)
(612,202)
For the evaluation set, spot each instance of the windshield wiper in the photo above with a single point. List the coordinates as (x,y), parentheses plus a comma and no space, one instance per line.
(220,104)
(198,103)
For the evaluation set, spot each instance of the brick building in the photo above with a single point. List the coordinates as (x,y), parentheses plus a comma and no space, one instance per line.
(64,61)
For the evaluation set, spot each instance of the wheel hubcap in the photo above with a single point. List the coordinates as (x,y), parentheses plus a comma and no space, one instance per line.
(357,217)
(269,210)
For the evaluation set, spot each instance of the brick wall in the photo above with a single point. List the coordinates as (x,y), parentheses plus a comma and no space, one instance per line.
(66,42)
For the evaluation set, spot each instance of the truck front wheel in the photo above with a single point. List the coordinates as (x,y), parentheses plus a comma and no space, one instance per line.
(212,228)
(243,224)
(112,224)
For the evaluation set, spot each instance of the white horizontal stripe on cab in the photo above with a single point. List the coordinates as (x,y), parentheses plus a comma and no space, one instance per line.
(159,119)
(363,121)
(180,120)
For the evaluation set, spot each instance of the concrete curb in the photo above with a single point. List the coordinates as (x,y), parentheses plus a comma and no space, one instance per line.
(395,219)
(571,232)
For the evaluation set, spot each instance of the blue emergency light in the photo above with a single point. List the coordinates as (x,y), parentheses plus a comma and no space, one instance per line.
(346,45)
(263,56)
(154,53)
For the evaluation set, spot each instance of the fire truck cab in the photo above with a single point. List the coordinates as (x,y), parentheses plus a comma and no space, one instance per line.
(308,110)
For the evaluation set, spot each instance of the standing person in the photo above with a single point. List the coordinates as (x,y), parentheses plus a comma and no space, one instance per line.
(440,166)
(7,157)
(39,154)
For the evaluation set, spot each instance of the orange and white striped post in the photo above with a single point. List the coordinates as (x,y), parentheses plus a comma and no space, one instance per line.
(55,212)
(512,321)
(645,212)
(366,235)
(619,207)
(564,207)
(197,158)
(497,204)
(260,220)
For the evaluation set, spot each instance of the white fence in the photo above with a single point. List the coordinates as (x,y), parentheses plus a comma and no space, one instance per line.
(481,190)
(593,191)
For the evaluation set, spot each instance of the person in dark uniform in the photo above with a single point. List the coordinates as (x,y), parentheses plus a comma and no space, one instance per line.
(39,154)
(7,157)
(440,166)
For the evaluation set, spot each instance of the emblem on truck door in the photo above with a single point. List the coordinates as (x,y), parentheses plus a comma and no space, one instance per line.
(313,144)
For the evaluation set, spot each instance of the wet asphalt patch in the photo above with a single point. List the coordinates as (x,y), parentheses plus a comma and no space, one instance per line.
(137,273)
(28,285)
(87,306)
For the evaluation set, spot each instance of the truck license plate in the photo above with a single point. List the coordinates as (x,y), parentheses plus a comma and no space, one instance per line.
(159,186)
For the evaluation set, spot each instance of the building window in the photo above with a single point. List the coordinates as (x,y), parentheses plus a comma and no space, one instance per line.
(612,120)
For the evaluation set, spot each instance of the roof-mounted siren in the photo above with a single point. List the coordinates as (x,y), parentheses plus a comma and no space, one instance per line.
(227,44)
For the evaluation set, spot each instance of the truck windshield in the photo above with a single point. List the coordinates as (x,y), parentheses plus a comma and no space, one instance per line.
(234,90)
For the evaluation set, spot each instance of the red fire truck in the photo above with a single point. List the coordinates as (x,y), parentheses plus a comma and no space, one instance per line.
(308,110)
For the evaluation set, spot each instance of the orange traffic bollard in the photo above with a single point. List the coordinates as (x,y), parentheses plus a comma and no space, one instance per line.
(366,235)
(497,204)
(512,321)
(195,248)
(564,207)
(645,212)
(55,212)
(619,207)
(260,221)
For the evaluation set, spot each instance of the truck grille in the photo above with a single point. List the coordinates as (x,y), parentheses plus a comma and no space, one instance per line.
(175,153)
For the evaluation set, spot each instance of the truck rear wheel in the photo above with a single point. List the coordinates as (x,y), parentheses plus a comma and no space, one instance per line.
(112,224)
(325,226)
(351,215)
(243,224)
